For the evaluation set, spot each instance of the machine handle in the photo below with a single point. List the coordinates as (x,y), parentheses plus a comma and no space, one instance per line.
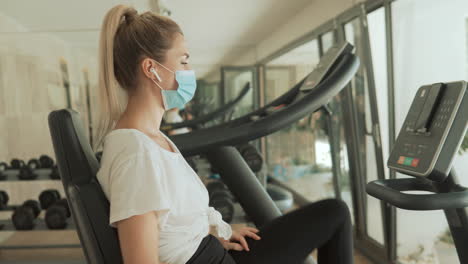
(391,191)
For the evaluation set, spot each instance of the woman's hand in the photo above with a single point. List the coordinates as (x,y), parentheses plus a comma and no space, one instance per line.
(237,241)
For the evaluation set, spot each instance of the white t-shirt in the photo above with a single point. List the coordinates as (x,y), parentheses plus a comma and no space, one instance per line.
(174,117)
(138,176)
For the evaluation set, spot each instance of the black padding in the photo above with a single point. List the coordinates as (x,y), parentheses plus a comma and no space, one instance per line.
(78,166)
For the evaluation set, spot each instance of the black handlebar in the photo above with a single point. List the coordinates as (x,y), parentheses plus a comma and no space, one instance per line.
(391,191)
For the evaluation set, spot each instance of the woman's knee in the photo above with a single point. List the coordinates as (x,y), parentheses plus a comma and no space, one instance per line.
(332,207)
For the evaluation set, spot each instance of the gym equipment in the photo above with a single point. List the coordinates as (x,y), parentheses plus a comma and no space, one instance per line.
(78,164)
(251,155)
(16,164)
(426,145)
(336,68)
(218,113)
(24,216)
(48,197)
(27,173)
(4,198)
(215,185)
(283,199)
(46,161)
(34,164)
(57,214)
(3,168)
(55,175)
(221,199)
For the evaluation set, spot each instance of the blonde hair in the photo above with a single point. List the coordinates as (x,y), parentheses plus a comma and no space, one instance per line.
(126,39)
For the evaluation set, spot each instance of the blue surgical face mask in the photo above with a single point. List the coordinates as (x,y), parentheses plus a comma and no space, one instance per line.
(187,85)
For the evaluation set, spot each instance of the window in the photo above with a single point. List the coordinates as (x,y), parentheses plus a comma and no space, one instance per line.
(299,155)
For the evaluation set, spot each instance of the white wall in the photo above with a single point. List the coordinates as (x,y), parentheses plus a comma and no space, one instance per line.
(31,86)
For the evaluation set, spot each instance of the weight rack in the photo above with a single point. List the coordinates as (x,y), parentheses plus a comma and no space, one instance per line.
(6,225)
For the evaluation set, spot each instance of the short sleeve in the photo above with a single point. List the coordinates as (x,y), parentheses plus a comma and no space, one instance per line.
(136,187)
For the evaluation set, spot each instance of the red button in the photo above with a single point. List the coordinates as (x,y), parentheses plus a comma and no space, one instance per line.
(401,160)
(415,163)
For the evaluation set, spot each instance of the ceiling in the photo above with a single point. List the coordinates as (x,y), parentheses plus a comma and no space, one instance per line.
(217,31)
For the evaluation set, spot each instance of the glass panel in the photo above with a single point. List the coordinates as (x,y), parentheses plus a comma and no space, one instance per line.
(339,130)
(429,46)
(207,98)
(367,156)
(378,42)
(299,155)
(234,81)
(328,39)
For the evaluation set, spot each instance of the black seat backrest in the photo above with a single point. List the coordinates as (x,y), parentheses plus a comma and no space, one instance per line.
(78,166)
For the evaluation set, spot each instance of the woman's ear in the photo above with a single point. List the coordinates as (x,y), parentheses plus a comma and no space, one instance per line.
(146,65)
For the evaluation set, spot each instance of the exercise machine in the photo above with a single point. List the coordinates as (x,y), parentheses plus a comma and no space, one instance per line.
(425,148)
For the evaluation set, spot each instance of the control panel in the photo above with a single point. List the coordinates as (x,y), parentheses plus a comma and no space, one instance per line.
(432,131)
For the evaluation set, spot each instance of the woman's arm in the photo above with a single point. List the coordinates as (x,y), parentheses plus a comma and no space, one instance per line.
(139,239)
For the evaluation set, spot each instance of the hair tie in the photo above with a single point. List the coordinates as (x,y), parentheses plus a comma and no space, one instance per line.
(130,15)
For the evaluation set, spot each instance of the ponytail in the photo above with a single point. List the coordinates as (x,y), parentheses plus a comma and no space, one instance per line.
(111,96)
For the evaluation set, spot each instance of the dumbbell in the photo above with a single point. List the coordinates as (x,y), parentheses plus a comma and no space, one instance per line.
(55,175)
(27,173)
(34,164)
(221,199)
(57,215)
(3,168)
(24,216)
(46,161)
(48,198)
(16,164)
(216,185)
(3,200)
(251,156)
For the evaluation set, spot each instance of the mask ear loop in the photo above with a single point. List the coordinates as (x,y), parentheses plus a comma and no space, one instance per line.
(164,66)
(162,96)
(157,77)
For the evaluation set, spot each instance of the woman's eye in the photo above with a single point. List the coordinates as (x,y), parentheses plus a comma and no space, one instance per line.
(184,62)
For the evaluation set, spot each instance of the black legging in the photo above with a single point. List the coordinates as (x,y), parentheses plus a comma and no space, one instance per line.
(325,225)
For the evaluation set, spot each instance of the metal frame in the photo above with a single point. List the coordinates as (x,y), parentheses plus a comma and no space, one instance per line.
(390,211)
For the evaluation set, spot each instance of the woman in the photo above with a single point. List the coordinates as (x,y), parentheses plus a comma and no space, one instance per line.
(157,202)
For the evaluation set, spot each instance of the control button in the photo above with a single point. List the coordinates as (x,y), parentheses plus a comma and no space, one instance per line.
(415,163)
(408,161)
(401,160)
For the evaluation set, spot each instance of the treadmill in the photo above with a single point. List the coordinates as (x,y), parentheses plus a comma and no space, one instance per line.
(334,71)
(425,148)
(219,113)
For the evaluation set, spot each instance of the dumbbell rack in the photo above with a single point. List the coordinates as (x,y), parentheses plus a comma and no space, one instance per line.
(37,233)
